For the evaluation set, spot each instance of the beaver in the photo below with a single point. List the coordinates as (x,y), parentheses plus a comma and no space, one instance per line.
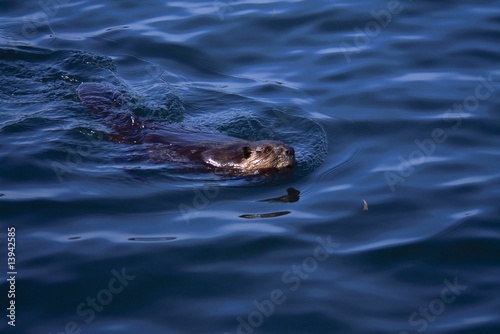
(180,144)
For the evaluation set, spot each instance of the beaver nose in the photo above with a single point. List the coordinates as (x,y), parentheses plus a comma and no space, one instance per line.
(290,152)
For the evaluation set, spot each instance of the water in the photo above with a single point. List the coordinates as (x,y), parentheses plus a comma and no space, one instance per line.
(390,103)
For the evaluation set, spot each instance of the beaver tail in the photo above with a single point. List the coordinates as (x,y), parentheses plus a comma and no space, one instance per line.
(106,103)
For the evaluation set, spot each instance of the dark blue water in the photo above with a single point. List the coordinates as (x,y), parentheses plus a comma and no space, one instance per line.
(393,104)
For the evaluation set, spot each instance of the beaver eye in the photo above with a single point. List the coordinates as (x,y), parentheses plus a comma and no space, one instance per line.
(268,149)
(247,151)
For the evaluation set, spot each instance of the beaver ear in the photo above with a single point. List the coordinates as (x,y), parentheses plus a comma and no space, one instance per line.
(247,151)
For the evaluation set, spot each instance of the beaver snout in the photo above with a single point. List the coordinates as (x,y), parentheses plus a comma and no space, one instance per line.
(290,152)
(286,155)
(285,150)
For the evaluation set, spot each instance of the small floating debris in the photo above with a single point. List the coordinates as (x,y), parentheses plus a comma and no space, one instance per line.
(365,205)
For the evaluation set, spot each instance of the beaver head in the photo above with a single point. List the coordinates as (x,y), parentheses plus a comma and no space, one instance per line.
(248,157)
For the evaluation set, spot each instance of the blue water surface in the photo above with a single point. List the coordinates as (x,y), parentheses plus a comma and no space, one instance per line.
(392,108)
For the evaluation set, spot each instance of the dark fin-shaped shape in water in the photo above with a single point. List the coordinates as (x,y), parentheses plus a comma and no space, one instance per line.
(293,195)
